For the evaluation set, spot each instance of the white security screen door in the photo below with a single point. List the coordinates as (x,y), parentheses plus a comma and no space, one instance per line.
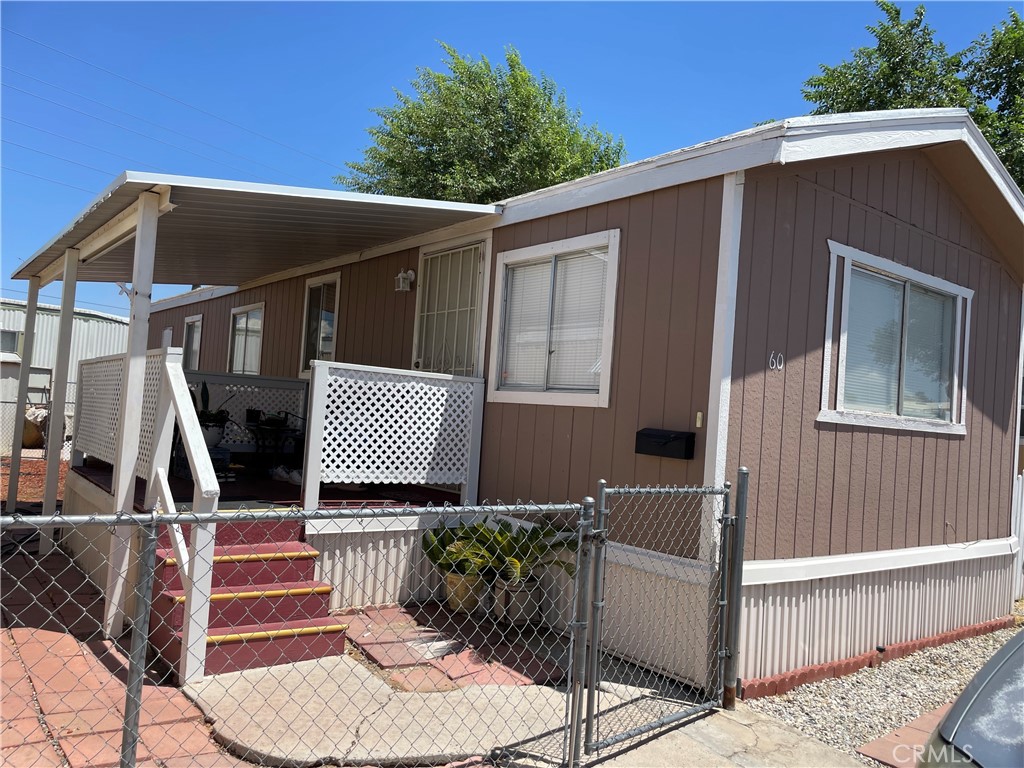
(447,324)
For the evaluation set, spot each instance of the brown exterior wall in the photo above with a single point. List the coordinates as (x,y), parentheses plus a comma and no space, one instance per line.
(374,327)
(661,357)
(825,489)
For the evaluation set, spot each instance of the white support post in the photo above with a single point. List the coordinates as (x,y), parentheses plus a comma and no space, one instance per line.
(59,392)
(471,488)
(192,664)
(316,413)
(23,381)
(130,416)
(77,457)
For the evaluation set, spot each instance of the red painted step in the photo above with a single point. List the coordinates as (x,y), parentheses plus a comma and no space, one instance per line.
(267,645)
(245,564)
(233,606)
(229,534)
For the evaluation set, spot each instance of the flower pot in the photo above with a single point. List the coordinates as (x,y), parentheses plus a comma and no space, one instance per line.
(462,592)
(212,435)
(517,603)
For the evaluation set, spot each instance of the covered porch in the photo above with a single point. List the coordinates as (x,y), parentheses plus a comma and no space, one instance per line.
(348,434)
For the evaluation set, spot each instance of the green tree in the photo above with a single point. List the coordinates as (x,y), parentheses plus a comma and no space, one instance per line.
(479,133)
(907,68)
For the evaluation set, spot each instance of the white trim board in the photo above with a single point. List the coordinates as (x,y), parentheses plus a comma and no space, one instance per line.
(806,568)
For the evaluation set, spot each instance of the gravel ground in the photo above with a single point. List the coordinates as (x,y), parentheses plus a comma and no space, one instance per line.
(847,712)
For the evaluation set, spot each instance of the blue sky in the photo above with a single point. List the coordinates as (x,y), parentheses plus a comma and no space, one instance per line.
(282,92)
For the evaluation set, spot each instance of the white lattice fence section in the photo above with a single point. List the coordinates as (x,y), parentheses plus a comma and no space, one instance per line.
(239,395)
(97,410)
(150,393)
(383,425)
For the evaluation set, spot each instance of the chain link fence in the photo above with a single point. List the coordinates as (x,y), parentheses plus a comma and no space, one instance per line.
(373,635)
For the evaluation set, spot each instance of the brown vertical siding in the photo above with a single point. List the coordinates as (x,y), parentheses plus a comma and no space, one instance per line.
(374,323)
(661,361)
(821,489)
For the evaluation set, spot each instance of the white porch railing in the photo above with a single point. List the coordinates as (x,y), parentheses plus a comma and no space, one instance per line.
(385,425)
(166,400)
(1017,528)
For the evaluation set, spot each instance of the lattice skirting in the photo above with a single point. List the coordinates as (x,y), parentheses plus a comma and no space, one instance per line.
(797,624)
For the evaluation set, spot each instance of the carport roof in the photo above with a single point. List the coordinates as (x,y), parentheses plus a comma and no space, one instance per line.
(219,232)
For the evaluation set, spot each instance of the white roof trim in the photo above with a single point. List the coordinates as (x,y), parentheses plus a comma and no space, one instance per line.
(792,140)
(78,310)
(191,297)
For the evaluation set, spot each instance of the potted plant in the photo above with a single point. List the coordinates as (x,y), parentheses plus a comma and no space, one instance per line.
(518,554)
(212,420)
(464,562)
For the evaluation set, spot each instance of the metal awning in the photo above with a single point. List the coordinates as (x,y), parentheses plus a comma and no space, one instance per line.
(217,232)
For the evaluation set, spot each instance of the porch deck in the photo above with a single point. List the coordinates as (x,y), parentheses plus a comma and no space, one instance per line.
(253,487)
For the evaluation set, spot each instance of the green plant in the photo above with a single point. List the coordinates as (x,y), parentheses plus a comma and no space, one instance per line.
(516,553)
(458,550)
(210,417)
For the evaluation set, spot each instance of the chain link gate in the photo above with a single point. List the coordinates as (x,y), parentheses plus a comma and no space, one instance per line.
(659,607)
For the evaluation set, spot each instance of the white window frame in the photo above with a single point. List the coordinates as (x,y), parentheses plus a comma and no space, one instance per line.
(192,320)
(261,305)
(600,399)
(961,340)
(433,249)
(334,277)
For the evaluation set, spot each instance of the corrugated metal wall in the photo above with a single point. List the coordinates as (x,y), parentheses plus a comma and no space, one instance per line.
(93,335)
(796,624)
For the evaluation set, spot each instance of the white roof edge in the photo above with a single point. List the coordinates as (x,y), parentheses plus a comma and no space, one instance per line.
(78,310)
(797,138)
(205,293)
(316,193)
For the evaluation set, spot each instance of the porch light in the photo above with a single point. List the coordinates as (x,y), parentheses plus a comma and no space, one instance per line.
(403,281)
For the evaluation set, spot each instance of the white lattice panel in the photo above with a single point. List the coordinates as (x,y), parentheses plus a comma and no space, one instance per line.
(97,412)
(150,392)
(246,392)
(390,427)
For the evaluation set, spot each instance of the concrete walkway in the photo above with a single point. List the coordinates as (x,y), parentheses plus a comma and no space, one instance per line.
(337,711)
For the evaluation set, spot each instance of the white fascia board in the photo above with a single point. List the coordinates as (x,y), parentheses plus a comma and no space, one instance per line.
(191,297)
(226,185)
(702,162)
(803,145)
(806,568)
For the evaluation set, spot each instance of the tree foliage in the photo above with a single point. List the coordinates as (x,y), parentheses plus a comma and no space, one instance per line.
(908,68)
(479,133)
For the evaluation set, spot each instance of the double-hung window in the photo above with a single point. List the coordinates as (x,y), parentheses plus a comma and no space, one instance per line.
(902,346)
(191,341)
(319,323)
(555,311)
(246,339)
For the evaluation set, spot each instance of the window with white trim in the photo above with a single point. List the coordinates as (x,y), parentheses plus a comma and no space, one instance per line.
(554,313)
(190,342)
(10,341)
(902,346)
(319,320)
(246,339)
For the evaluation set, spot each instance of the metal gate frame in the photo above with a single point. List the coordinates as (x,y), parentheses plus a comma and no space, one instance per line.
(588,626)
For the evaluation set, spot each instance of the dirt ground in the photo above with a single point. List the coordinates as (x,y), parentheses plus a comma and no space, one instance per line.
(33,479)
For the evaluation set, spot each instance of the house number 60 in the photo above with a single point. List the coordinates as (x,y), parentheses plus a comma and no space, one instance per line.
(776,361)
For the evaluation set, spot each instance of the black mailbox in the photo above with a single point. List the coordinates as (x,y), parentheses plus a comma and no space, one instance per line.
(665,442)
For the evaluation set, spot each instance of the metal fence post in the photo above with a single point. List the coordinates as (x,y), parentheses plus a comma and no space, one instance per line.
(140,642)
(725,542)
(600,537)
(735,607)
(579,631)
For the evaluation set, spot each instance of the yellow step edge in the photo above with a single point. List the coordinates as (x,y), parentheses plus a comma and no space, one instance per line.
(294,592)
(255,557)
(273,633)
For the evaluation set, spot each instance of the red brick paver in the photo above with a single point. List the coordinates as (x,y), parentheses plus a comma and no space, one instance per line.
(901,748)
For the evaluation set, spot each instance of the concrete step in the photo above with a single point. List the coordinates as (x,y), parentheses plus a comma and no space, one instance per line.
(244,564)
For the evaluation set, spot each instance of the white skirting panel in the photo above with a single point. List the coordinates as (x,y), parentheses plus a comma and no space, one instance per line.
(796,624)
(374,567)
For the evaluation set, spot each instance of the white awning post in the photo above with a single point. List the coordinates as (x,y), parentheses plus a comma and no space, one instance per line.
(23,380)
(130,417)
(59,392)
